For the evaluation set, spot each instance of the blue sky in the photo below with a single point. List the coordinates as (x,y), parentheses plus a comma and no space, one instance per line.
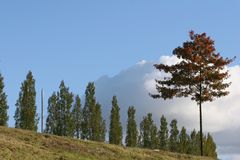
(79,41)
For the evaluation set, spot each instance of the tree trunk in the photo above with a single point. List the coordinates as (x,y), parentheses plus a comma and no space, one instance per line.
(201,135)
(200,110)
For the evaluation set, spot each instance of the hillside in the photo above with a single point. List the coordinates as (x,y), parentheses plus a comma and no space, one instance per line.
(20,144)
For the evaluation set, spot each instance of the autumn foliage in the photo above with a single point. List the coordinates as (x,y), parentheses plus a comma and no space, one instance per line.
(200,74)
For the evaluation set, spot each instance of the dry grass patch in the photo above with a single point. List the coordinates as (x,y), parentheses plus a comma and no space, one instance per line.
(27,145)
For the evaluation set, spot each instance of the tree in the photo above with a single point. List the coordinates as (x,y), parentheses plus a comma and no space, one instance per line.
(210,147)
(3,104)
(60,121)
(26,116)
(174,139)
(115,129)
(99,127)
(103,131)
(148,133)
(90,103)
(163,133)
(53,117)
(194,144)
(65,100)
(200,74)
(132,133)
(183,141)
(93,125)
(77,116)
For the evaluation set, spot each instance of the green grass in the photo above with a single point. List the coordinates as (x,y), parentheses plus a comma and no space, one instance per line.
(16,144)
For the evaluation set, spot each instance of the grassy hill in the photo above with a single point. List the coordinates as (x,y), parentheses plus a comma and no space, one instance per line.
(16,144)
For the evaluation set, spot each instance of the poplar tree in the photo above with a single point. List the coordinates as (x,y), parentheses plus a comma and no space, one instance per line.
(99,127)
(210,147)
(183,141)
(148,133)
(65,100)
(115,129)
(90,102)
(194,143)
(131,133)
(198,142)
(173,139)
(3,104)
(200,74)
(26,116)
(103,131)
(163,133)
(60,120)
(77,116)
(53,117)
(93,125)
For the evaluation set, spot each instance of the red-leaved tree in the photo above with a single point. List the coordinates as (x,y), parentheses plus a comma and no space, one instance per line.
(200,74)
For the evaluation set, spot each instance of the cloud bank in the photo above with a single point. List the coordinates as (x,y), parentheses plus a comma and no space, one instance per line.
(133,85)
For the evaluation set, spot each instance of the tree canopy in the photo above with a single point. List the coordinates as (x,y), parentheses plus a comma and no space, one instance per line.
(200,73)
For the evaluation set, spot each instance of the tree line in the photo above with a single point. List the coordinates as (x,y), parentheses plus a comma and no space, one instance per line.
(67,116)
(173,139)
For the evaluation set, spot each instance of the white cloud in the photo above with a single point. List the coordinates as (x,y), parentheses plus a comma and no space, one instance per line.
(235,157)
(231,157)
(133,85)
(169,60)
(142,62)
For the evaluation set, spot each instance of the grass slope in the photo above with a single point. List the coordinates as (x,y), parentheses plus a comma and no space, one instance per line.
(16,144)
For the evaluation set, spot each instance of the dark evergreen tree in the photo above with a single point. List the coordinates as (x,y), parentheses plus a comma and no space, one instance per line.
(77,117)
(148,133)
(115,129)
(53,117)
(173,139)
(26,115)
(163,133)
(183,141)
(3,104)
(132,133)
